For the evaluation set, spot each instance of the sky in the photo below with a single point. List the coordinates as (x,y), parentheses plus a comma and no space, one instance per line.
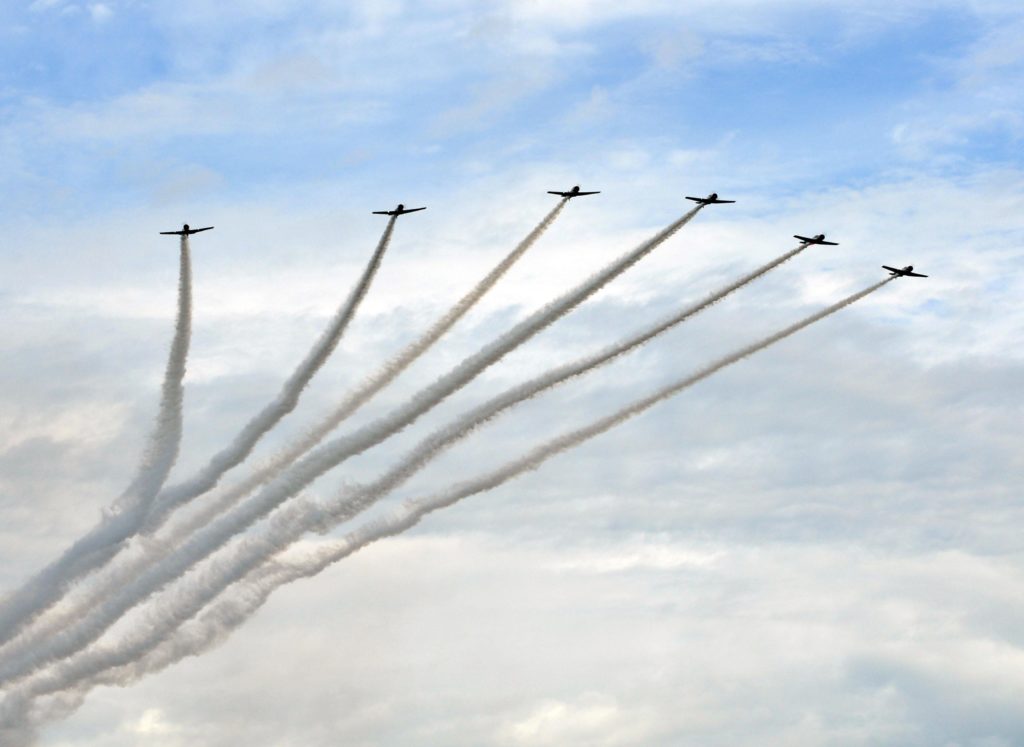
(817,546)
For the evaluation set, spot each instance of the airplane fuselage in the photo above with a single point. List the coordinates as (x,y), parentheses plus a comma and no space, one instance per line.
(185,231)
(816,239)
(400,210)
(574,192)
(711,199)
(903,272)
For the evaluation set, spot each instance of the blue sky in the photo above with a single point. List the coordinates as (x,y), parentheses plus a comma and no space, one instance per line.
(818,546)
(271,96)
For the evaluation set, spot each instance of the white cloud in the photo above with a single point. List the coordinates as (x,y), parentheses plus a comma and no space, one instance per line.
(651,553)
(815,547)
(481,640)
(490,100)
(593,719)
(100,12)
(86,424)
(981,100)
(151,723)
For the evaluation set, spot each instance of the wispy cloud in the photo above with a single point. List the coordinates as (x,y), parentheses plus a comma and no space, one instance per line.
(815,548)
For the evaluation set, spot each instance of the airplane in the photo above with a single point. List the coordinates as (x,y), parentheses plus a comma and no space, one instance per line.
(711,199)
(816,239)
(400,210)
(185,231)
(906,272)
(574,192)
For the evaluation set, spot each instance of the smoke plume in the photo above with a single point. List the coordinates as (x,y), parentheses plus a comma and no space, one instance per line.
(48,585)
(148,651)
(387,373)
(207,540)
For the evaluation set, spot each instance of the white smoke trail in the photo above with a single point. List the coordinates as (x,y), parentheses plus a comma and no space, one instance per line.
(22,606)
(286,400)
(288,525)
(119,574)
(148,651)
(23,660)
(431,446)
(166,438)
(263,581)
(361,395)
(220,463)
(20,719)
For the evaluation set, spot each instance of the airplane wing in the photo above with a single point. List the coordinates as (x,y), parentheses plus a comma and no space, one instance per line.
(580,194)
(915,275)
(697,199)
(829,243)
(383,212)
(803,238)
(172,233)
(722,202)
(197,230)
(412,210)
(560,194)
(890,269)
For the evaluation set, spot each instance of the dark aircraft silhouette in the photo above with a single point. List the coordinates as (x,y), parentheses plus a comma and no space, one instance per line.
(185,231)
(816,239)
(711,199)
(574,192)
(906,272)
(400,210)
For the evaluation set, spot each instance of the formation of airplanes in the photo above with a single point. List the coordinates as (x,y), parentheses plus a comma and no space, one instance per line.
(711,199)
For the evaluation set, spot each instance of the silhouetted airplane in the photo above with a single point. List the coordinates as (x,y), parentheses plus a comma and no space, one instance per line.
(906,272)
(185,231)
(711,199)
(574,192)
(816,239)
(400,210)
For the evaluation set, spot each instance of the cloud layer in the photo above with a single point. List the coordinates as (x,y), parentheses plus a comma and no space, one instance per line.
(816,547)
